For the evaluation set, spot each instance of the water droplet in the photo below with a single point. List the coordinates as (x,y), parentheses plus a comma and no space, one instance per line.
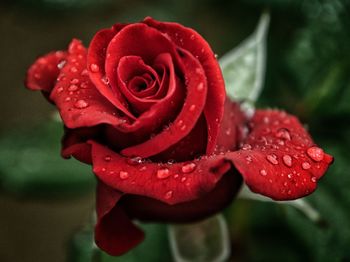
(176,176)
(168,194)
(246,147)
(283,133)
(163,173)
(85,72)
(179,123)
(61,64)
(105,80)
(134,161)
(171,161)
(200,87)
(249,159)
(94,68)
(313,179)
(60,90)
(123,175)
(315,153)
(74,81)
(103,169)
(272,159)
(305,165)
(263,172)
(216,56)
(81,104)
(183,127)
(143,168)
(188,168)
(287,160)
(37,76)
(72,88)
(67,99)
(73,69)
(192,37)
(183,179)
(108,158)
(192,107)
(289,176)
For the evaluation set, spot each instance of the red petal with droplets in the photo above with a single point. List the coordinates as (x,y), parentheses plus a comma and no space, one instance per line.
(96,66)
(148,209)
(190,40)
(114,231)
(185,120)
(79,102)
(274,160)
(169,183)
(43,73)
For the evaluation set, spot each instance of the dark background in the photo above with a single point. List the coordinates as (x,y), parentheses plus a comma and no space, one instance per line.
(44,200)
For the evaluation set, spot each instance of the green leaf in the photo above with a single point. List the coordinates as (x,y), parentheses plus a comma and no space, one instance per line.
(30,164)
(244,67)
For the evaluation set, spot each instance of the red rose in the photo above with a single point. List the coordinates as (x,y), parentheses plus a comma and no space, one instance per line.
(145,105)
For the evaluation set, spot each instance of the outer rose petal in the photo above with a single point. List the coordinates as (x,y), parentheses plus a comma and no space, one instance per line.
(190,40)
(274,160)
(77,99)
(43,73)
(169,183)
(114,232)
(232,127)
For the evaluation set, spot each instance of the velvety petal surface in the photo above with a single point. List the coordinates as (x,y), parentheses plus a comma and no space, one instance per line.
(190,40)
(43,72)
(114,231)
(169,183)
(79,102)
(279,158)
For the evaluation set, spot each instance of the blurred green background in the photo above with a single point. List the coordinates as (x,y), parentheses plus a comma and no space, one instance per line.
(44,199)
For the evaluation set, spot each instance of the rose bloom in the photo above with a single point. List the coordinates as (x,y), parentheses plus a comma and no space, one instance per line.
(145,105)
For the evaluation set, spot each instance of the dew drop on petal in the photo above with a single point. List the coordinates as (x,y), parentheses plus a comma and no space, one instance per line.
(313,179)
(61,64)
(74,81)
(94,68)
(272,159)
(67,99)
(183,179)
(200,87)
(108,158)
(283,133)
(168,195)
(315,153)
(249,159)
(305,165)
(188,168)
(72,88)
(163,173)
(287,160)
(123,175)
(60,90)
(134,161)
(263,172)
(192,107)
(183,128)
(73,69)
(80,104)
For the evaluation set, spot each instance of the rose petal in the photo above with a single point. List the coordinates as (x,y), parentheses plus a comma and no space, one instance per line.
(185,120)
(43,72)
(77,99)
(169,183)
(96,60)
(128,63)
(190,40)
(232,128)
(274,160)
(149,209)
(114,231)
